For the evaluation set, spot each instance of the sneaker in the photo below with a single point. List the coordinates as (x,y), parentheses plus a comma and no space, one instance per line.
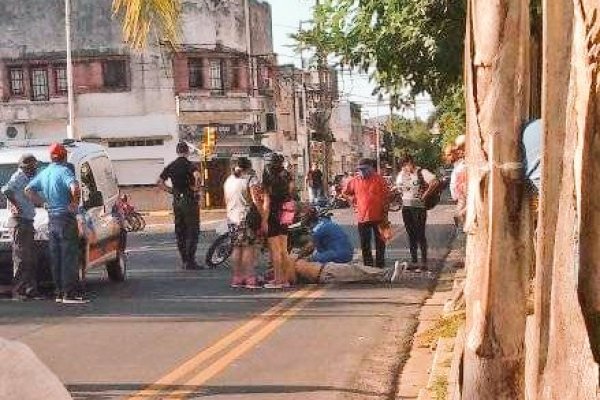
(251,283)
(273,285)
(59,298)
(236,283)
(74,300)
(398,269)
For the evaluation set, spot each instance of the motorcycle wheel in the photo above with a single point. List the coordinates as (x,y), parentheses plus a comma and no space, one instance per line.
(219,251)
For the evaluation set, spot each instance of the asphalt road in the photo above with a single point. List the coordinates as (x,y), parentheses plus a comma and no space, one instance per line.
(168,333)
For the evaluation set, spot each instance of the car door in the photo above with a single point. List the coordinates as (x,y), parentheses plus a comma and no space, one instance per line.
(99,194)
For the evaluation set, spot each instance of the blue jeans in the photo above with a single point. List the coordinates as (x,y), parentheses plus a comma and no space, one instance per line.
(64,252)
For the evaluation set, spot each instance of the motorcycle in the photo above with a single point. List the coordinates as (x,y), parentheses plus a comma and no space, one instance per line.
(299,235)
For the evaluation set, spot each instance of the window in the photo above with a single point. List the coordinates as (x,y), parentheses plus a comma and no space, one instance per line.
(114,74)
(60,79)
(136,143)
(271,125)
(17,87)
(216,75)
(39,84)
(104,177)
(236,67)
(195,73)
(301,107)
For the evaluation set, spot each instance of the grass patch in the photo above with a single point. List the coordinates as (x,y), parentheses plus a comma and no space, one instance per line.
(444,327)
(439,388)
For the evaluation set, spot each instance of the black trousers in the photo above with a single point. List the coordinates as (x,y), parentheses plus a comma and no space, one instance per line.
(24,260)
(415,220)
(366,230)
(187,228)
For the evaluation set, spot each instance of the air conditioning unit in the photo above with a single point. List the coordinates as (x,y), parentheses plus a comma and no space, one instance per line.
(14,132)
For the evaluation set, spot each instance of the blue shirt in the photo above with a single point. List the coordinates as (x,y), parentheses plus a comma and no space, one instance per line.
(331,243)
(16,186)
(54,184)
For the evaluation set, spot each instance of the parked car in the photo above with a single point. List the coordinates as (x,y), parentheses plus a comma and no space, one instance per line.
(103,237)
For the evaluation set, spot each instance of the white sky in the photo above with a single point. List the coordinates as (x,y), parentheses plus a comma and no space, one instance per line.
(287,15)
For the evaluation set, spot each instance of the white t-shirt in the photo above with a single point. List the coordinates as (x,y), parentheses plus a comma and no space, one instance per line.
(237,196)
(459,168)
(410,185)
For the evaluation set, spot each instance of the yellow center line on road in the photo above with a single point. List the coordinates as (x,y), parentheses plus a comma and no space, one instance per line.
(193,363)
(222,363)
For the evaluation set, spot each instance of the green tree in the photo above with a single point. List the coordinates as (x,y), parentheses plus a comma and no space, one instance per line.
(410,46)
(414,137)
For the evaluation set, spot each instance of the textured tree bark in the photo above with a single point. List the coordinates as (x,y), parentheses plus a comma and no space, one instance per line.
(499,249)
(557,55)
(573,328)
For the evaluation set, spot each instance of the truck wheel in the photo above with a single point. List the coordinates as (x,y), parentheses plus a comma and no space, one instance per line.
(117,269)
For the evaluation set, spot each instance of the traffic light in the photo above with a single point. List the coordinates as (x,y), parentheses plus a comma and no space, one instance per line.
(209,140)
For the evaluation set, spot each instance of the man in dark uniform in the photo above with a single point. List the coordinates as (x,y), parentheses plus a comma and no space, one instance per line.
(185,183)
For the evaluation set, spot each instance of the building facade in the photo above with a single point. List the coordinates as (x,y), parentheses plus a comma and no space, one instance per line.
(138,103)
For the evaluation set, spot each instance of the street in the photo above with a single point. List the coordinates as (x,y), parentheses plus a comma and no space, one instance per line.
(169,333)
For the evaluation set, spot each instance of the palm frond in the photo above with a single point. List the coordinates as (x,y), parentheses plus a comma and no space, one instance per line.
(140,17)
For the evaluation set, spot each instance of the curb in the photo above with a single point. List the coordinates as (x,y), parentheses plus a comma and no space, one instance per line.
(430,372)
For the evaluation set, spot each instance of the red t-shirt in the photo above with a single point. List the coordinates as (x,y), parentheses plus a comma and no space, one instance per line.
(371,196)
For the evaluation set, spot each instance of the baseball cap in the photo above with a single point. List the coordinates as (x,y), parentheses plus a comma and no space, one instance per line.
(57,151)
(27,159)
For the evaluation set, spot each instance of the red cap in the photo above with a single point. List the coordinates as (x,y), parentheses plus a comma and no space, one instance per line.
(58,151)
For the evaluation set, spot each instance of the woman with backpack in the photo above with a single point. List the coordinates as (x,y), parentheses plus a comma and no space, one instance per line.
(415,184)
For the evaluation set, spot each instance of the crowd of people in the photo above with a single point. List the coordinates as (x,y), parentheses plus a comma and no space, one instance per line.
(56,189)
(259,211)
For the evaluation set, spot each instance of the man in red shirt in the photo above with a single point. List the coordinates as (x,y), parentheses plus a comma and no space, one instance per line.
(371,194)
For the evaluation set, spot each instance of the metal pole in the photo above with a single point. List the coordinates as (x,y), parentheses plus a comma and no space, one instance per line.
(378,139)
(71,134)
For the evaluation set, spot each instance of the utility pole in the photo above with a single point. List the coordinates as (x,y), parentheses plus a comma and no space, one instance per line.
(307,159)
(378,139)
(70,95)
(325,102)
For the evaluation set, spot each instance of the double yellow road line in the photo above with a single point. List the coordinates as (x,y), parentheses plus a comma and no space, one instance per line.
(186,378)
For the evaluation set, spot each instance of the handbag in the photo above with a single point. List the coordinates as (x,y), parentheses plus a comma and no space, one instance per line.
(287,212)
(385,230)
(253,218)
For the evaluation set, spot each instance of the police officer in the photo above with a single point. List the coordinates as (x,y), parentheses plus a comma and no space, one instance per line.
(185,183)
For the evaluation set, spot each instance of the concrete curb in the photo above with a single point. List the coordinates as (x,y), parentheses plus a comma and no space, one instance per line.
(432,368)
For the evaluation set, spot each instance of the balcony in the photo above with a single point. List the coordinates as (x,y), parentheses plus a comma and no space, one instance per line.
(26,110)
(202,103)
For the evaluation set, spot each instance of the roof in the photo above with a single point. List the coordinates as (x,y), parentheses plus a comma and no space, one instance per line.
(11,151)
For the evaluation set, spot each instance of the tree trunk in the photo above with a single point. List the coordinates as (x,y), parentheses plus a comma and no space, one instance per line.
(499,249)
(557,52)
(573,326)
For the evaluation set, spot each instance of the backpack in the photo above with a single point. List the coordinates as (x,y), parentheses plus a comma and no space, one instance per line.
(434,197)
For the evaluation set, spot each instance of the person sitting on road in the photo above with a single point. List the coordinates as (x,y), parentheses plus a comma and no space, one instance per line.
(329,240)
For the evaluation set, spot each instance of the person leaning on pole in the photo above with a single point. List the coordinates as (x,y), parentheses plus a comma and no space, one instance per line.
(57,186)
(185,185)
(22,212)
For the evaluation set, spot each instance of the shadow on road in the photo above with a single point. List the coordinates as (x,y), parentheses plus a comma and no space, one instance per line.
(111,391)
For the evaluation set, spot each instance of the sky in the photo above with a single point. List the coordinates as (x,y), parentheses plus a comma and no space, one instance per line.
(287,15)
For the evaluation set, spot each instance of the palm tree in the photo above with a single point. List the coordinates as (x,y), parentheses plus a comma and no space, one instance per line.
(140,17)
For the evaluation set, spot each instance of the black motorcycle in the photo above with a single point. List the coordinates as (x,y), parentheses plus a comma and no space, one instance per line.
(299,235)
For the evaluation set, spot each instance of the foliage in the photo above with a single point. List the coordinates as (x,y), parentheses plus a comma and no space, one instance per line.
(451,115)
(414,138)
(414,44)
(140,17)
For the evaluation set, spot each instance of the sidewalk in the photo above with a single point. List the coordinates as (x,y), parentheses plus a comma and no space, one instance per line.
(165,217)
